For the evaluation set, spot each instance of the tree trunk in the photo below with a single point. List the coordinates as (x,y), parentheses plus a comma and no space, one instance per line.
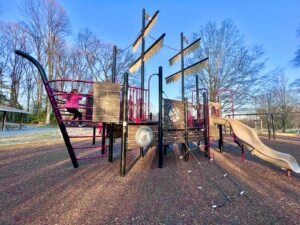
(50,74)
(283,119)
(48,110)
(39,95)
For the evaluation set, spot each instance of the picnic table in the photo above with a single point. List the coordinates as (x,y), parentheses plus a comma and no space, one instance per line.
(5,109)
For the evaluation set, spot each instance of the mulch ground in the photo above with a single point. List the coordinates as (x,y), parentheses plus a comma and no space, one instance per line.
(39,186)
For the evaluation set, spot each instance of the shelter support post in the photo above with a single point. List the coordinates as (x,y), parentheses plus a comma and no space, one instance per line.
(4,120)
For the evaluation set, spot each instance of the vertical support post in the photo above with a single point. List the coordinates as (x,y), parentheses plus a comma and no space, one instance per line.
(143,64)
(142,73)
(182,66)
(165,149)
(160,118)
(141,152)
(94,135)
(186,138)
(205,111)
(20,127)
(268,125)
(197,99)
(4,120)
(243,154)
(273,125)
(114,64)
(103,138)
(221,143)
(182,78)
(124,127)
(111,143)
(111,127)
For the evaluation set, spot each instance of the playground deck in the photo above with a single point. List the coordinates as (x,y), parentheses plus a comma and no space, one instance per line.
(38,185)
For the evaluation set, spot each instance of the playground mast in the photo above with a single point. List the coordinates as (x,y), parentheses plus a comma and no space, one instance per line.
(188,70)
(145,54)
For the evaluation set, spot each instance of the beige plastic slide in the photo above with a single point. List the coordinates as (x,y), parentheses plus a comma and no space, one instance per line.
(248,137)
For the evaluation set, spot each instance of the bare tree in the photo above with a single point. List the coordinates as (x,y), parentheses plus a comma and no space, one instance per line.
(14,38)
(124,60)
(47,23)
(284,99)
(98,56)
(28,85)
(277,97)
(232,65)
(4,56)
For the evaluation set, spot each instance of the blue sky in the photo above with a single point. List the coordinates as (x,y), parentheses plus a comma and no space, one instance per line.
(270,23)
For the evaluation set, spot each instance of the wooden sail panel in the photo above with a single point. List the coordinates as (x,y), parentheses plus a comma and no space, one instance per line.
(189,49)
(194,68)
(151,51)
(148,28)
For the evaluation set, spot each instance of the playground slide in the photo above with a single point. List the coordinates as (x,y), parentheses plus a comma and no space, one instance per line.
(248,137)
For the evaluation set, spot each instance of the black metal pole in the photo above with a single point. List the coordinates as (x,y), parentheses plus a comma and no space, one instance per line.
(273,125)
(160,118)
(103,138)
(141,152)
(221,143)
(111,127)
(94,135)
(111,143)
(54,106)
(165,149)
(186,138)
(182,79)
(143,64)
(114,65)
(197,98)
(124,127)
(205,125)
(142,74)
(182,66)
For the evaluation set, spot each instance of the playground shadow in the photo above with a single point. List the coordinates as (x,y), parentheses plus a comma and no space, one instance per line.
(47,190)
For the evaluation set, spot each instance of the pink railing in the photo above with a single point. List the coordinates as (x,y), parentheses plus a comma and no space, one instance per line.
(138,104)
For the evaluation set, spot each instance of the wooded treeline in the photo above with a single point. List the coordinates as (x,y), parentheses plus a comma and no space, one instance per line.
(45,33)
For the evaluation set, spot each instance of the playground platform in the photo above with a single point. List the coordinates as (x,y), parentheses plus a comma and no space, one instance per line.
(38,185)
